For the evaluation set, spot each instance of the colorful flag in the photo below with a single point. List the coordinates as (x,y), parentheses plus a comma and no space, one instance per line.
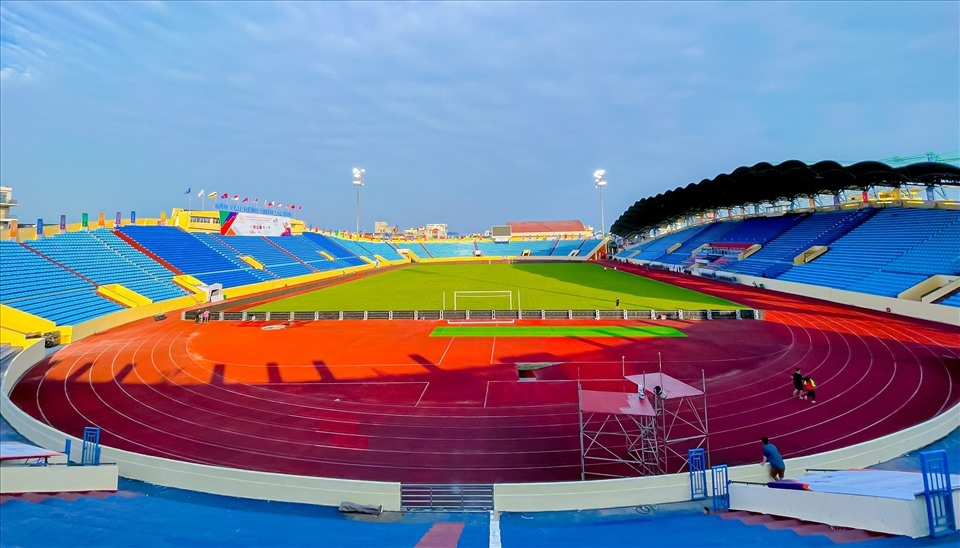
(245,199)
(256,200)
(225,195)
(299,207)
(279,204)
(293,207)
(188,190)
(212,194)
(270,204)
(200,194)
(235,197)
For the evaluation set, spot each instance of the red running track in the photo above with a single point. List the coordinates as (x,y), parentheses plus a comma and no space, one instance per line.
(382,400)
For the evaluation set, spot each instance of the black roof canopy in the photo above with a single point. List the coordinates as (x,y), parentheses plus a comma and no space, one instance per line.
(765,182)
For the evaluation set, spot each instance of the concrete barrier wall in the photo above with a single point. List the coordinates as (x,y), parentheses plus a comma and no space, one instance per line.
(59,477)
(924,311)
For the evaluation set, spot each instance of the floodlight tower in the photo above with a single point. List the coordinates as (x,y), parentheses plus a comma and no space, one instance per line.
(358,182)
(599,178)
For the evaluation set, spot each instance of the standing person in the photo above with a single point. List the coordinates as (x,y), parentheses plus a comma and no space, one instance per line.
(206,316)
(811,387)
(797,383)
(199,317)
(617,303)
(772,455)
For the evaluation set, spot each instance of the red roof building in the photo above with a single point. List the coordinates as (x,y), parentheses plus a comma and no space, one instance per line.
(549,228)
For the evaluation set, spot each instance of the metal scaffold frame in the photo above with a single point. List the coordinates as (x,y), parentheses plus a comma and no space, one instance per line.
(647,432)
(617,430)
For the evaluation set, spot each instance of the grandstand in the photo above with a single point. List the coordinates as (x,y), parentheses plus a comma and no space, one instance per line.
(881,252)
(36,284)
(890,258)
(197,255)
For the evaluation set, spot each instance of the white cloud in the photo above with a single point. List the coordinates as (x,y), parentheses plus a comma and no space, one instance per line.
(297,92)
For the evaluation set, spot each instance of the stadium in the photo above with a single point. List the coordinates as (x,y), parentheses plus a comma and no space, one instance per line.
(241,353)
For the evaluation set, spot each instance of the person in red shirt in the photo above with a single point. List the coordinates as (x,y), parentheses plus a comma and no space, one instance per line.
(811,389)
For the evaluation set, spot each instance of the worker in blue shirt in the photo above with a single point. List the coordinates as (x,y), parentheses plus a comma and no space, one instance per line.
(772,455)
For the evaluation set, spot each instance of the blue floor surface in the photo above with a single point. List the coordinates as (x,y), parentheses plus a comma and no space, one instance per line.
(149,515)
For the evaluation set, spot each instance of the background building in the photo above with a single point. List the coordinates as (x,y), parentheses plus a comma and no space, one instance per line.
(6,202)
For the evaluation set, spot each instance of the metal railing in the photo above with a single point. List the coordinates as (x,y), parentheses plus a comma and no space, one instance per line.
(428,497)
(481,315)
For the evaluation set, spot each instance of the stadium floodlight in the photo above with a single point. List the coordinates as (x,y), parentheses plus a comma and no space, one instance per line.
(358,182)
(600,181)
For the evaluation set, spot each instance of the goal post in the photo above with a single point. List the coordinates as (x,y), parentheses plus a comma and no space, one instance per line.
(483,300)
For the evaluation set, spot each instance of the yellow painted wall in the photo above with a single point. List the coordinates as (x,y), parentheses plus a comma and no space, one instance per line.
(14,338)
(191,284)
(14,321)
(23,322)
(235,292)
(124,296)
(252,262)
(184,219)
(121,317)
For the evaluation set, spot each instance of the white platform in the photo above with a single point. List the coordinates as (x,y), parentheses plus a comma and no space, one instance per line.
(29,469)
(872,500)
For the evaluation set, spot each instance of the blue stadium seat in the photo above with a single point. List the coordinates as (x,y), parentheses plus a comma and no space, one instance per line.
(88,254)
(196,255)
(38,286)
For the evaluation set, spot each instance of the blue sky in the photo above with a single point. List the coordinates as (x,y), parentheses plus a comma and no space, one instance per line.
(469,114)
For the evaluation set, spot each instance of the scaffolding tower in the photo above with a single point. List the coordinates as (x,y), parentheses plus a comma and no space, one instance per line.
(618,435)
(681,418)
(643,433)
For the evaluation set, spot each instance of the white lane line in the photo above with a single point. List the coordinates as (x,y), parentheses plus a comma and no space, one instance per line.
(425,386)
(444,355)
(494,529)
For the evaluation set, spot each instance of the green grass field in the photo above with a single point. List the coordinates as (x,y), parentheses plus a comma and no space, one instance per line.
(564,286)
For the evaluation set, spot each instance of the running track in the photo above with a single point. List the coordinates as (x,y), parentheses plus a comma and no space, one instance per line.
(382,400)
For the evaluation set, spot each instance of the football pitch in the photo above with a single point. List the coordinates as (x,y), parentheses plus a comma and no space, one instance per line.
(531,286)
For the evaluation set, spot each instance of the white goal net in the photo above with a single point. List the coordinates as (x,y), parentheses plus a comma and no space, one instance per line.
(483,300)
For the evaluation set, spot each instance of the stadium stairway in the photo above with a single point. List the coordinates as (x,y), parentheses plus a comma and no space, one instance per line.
(64,496)
(839,535)
(8,351)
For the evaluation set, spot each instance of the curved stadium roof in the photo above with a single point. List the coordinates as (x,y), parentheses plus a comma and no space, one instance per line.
(769,183)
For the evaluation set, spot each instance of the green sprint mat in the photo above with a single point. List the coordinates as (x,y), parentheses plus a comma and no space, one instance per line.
(582,331)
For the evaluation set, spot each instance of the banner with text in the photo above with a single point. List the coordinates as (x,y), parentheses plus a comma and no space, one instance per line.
(233,223)
(247,208)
